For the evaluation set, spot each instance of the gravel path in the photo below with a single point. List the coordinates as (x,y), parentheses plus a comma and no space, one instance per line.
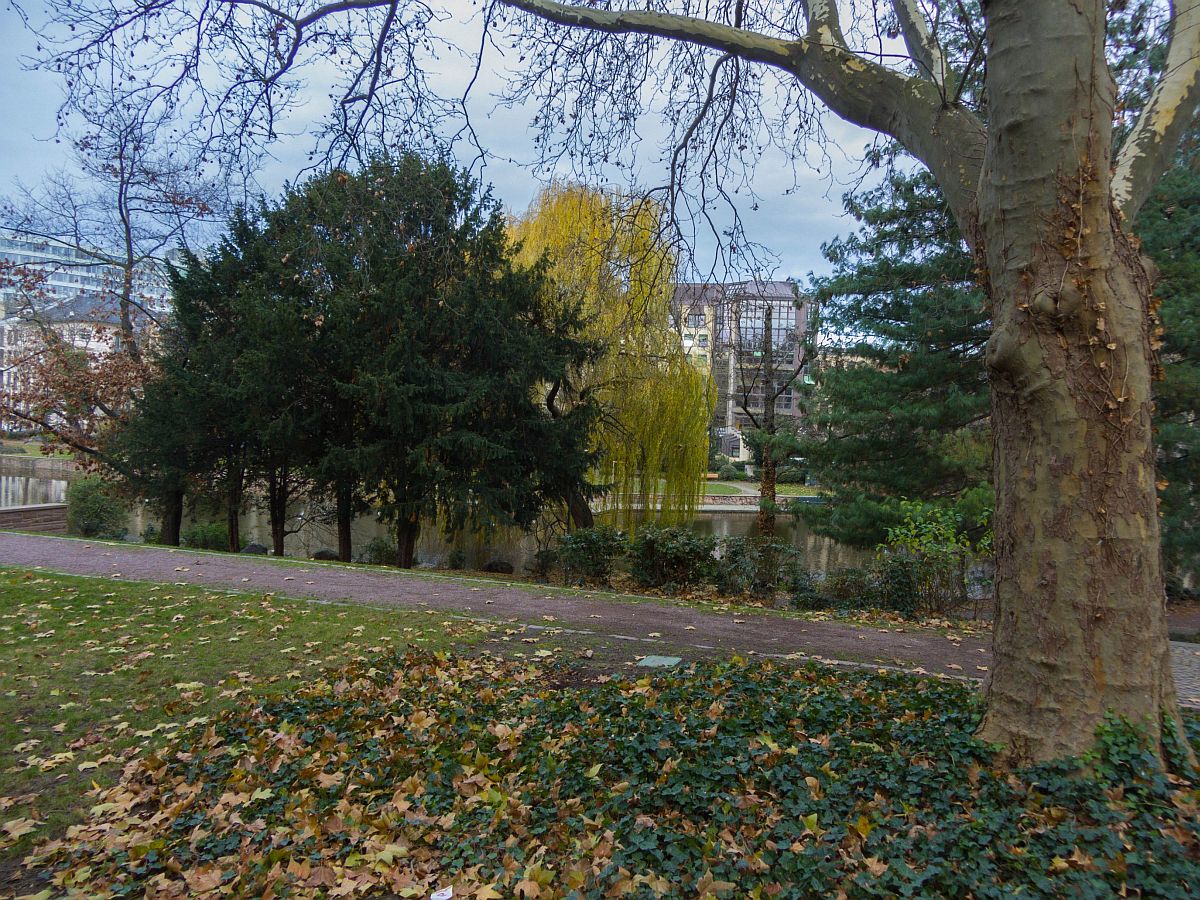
(650,627)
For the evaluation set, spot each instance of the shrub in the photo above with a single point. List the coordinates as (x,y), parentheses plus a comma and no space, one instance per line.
(150,533)
(756,567)
(897,580)
(212,536)
(670,557)
(931,536)
(92,511)
(791,475)
(849,587)
(457,559)
(543,562)
(588,554)
(805,590)
(379,552)
(734,570)
(728,473)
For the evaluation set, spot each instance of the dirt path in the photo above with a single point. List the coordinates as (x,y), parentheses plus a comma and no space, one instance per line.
(649,627)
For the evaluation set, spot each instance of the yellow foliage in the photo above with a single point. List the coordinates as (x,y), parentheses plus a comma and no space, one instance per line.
(606,254)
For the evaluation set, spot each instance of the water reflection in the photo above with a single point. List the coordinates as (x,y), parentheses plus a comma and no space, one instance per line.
(315,531)
(19,490)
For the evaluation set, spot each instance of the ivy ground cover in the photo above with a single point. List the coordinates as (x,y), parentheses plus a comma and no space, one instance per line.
(405,774)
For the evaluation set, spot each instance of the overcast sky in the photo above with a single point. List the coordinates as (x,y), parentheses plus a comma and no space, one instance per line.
(792,225)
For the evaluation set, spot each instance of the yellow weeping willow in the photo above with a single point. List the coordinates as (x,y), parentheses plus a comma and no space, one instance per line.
(605,252)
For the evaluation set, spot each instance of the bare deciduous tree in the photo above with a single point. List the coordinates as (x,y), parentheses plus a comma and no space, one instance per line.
(1032,179)
(109,222)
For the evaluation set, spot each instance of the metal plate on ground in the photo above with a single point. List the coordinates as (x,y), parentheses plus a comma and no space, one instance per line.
(659,662)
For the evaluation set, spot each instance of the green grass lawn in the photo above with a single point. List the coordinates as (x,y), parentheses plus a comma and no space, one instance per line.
(797,490)
(91,670)
(26,448)
(726,488)
(720,489)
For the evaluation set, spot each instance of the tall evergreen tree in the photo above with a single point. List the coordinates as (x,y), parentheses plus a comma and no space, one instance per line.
(902,406)
(373,333)
(1169,226)
(454,338)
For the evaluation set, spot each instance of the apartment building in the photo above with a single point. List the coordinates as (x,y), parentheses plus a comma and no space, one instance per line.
(49,285)
(722,327)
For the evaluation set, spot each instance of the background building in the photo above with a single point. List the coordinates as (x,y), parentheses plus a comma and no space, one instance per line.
(722,329)
(51,288)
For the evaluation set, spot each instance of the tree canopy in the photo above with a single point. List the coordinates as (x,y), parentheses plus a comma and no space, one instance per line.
(902,404)
(374,327)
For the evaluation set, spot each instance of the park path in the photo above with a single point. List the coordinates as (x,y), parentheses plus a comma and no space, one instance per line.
(649,627)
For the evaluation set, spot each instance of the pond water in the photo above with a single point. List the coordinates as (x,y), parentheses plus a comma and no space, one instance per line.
(21,490)
(315,530)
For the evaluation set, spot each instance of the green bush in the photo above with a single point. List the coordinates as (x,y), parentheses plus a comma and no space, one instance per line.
(673,557)
(791,475)
(805,590)
(750,565)
(211,536)
(93,511)
(849,587)
(1177,589)
(589,554)
(734,572)
(935,539)
(379,552)
(729,473)
(543,562)
(897,583)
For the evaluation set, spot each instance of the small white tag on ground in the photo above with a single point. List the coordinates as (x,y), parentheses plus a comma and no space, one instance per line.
(443,894)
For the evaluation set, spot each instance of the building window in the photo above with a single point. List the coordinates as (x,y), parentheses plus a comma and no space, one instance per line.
(702,340)
(695,320)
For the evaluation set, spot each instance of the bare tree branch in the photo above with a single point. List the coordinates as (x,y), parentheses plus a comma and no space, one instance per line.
(921,43)
(948,139)
(1147,152)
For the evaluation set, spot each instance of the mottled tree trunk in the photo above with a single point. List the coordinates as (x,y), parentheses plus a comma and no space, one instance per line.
(345,516)
(579,511)
(277,500)
(1080,625)
(233,508)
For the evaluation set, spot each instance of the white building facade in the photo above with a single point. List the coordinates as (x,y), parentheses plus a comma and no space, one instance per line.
(51,286)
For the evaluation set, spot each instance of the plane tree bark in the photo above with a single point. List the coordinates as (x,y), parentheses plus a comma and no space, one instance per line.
(1034,186)
(1081,627)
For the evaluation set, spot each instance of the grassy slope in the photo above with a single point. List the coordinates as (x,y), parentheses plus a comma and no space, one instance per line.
(89,669)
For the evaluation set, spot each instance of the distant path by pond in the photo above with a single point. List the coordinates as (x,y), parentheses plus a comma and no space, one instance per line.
(649,626)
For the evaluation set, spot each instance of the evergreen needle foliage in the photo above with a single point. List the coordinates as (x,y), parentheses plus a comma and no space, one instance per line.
(901,409)
(373,339)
